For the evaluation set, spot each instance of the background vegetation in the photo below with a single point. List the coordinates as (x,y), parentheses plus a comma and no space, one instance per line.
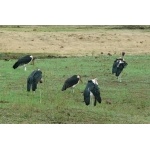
(75,27)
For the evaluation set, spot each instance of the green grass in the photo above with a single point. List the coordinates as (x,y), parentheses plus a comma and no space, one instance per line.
(130,99)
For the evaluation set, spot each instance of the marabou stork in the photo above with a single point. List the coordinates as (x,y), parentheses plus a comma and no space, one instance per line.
(34,78)
(118,66)
(23,61)
(71,82)
(92,91)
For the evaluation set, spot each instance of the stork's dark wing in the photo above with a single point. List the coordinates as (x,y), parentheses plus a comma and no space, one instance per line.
(96,93)
(70,82)
(30,80)
(24,60)
(33,80)
(86,92)
(65,86)
(37,76)
(120,68)
(114,67)
(73,80)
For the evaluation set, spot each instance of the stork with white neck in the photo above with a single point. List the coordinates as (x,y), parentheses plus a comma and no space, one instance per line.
(92,91)
(23,61)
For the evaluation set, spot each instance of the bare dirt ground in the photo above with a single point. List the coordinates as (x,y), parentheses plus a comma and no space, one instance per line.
(68,43)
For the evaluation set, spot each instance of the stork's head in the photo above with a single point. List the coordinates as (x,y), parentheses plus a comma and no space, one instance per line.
(79,77)
(121,58)
(41,81)
(32,61)
(123,53)
(95,81)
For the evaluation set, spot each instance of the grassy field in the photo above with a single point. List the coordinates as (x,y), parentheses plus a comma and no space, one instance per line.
(62,51)
(130,99)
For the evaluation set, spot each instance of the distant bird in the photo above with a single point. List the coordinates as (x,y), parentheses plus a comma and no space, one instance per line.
(92,91)
(34,78)
(23,61)
(118,66)
(71,82)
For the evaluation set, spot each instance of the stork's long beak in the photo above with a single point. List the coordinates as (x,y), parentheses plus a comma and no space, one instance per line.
(32,63)
(81,80)
(41,81)
(123,54)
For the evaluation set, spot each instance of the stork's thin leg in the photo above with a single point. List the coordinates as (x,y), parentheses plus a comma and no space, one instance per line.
(91,100)
(95,102)
(120,77)
(72,90)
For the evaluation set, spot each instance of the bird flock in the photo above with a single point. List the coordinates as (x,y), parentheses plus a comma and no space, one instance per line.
(91,92)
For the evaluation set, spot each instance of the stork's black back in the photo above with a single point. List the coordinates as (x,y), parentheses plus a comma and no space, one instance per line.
(70,82)
(24,60)
(118,66)
(94,89)
(33,80)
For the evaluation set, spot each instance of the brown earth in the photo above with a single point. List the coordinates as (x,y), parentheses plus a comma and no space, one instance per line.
(94,42)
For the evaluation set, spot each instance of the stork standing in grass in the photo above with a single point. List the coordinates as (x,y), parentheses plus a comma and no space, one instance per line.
(118,66)
(92,92)
(34,78)
(23,61)
(71,82)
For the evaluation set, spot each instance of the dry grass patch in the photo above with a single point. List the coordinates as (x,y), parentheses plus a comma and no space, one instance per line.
(76,43)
